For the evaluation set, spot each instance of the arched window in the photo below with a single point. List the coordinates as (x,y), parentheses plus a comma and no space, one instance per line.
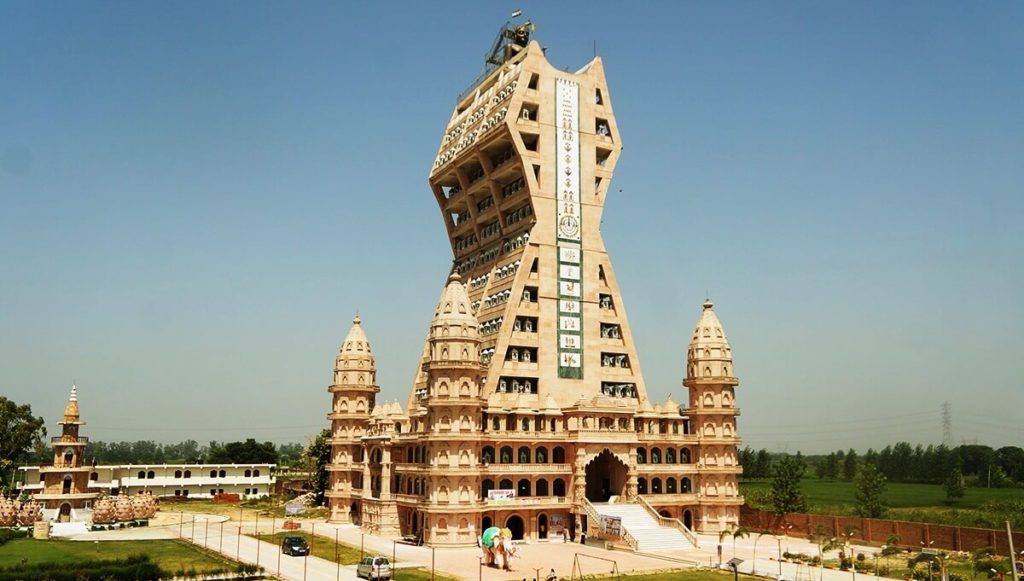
(558,456)
(670,456)
(656,486)
(641,456)
(213,473)
(524,455)
(542,487)
(505,484)
(684,486)
(506,454)
(94,476)
(641,486)
(684,456)
(541,455)
(670,485)
(558,488)
(255,473)
(188,474)
(222,474)
(248,473)
(487,455)
(66,489)
(69,455)
(496,424)
(485,487)
(177,473)
(142,474)
(523,489)
(510,423)
(655,455)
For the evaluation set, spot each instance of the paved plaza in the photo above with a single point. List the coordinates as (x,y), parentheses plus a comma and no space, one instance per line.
(219,534)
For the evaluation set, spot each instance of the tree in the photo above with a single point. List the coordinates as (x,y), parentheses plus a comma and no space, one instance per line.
(954,485)
(869,487)
(247,452)
(786,495)
(850,465)
(763,463)
(1011,460)
(317,456)
(738,533)
(831,469)
(20,433)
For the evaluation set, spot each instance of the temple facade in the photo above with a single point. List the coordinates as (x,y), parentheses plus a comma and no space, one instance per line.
(528,408)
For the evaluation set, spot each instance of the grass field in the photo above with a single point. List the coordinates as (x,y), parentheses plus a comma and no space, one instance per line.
(322,547)
(172,555)
(265,508)
(349,555)
(907,501)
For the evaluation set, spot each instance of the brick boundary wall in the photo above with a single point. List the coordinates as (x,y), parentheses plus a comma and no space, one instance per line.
(873,531)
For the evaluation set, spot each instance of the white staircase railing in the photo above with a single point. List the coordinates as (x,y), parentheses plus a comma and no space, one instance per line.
(595,517)
(670,522)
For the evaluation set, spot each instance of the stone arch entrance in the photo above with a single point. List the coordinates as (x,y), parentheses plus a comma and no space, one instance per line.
(606,476)
(514,523)
(65,513)
(485,523)
(542,526)
(688,519)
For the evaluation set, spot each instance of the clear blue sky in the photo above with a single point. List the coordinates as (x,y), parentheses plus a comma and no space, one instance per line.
(196,197)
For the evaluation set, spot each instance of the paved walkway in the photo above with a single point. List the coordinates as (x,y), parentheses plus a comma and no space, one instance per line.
(228,537)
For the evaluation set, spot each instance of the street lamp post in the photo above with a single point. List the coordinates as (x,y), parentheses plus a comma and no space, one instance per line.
(779,541)
(753,558)
(925,549)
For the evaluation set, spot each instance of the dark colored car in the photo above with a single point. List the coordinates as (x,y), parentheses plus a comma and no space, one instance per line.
(294,546)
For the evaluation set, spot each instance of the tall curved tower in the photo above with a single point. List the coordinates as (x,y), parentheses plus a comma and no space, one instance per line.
(521,178)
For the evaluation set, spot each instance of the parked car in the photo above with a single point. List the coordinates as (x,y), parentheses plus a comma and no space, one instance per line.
(294,546)
(374,568)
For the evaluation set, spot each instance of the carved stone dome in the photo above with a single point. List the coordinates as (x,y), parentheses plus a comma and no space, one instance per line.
(709,354)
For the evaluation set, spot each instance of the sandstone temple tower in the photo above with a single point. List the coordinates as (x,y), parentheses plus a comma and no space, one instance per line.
(66,481)
(528,408)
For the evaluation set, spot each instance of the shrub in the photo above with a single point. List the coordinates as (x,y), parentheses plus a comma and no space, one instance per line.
(11,534)
(131,567)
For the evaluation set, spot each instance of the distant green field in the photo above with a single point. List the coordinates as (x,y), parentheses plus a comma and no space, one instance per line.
(916,502)
(897,495)
(171,555)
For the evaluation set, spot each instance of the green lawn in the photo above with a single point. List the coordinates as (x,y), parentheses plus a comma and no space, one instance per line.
(915,502)
(266,508)
(322,547)
(169,555)
(349,555)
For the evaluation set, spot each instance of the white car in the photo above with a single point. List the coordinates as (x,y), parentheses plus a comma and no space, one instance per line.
(374,568)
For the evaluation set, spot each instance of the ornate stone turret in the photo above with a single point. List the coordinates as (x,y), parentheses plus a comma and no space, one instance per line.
(712,410)
(66,481)
(354,394)
(709,354)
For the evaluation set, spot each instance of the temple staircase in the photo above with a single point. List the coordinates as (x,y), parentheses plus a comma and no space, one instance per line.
(644,531)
